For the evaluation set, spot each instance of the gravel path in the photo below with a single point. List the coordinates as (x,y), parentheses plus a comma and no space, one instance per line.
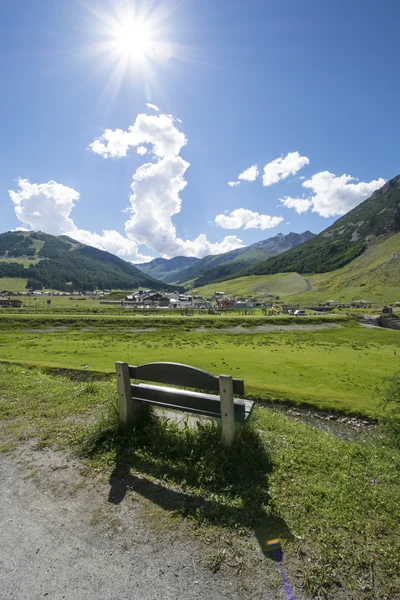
(61,539)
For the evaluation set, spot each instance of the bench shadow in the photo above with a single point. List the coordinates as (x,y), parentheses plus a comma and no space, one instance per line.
(234,482)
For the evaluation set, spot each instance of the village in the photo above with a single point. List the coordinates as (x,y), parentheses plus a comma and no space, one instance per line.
(219,302)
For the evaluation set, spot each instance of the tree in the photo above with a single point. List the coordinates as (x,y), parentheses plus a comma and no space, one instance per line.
(34,284)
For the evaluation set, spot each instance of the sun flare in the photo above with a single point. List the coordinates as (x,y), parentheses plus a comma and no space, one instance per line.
(133,40)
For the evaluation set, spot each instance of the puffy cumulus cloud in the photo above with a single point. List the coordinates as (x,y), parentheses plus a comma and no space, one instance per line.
(158,130)
(155,199)
(249,174)
(156,187)
(45,206)
(233,183)
(247,219)
(282,167)
(113,242)
(142,150)
(300,205)
(334,196)
(152,106)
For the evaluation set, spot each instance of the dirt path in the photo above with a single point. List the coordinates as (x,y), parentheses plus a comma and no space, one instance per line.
(61,539)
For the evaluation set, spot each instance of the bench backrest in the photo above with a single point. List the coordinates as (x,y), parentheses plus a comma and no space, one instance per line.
(181,375)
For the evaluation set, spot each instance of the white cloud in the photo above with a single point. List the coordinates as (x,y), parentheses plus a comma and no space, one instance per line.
(233,183)
(45,206)
(141,150)
(335,196)
(111,241)
(250,174)
(156,187)
(300,205)
(280,168)
(241,217)
(158,130)
(153,106)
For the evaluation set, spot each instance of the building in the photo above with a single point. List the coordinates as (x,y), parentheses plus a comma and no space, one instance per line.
(10,303)
(361,304)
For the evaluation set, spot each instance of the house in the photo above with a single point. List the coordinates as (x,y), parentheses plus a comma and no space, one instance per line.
(288,310)
(223,303)
(147,299)
(361,304)
(242,304)
(10,303)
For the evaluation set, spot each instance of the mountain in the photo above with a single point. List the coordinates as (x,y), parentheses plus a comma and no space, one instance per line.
(62,263)
(373,276)
(221,265)
(373,220)
(163,268)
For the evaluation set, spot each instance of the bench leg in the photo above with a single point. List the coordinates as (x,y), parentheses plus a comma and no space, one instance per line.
(227,409)
(128,409)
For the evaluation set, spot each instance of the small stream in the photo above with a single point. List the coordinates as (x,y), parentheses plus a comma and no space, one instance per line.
(341,426)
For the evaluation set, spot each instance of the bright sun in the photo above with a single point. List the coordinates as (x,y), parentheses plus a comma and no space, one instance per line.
(133,40)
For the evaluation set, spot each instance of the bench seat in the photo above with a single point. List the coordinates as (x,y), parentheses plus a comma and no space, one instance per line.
(232,411)
(194,402)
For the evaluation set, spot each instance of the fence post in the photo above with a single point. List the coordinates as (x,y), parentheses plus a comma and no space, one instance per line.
(227,409)
(126,412)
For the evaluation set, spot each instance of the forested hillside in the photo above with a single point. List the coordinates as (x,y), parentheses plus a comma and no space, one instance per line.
(167,269)
(65,264)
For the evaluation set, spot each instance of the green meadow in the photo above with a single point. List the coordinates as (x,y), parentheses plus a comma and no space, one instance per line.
(336,368)
(333,502)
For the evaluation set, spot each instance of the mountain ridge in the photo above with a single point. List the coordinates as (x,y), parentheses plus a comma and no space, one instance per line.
(227,262)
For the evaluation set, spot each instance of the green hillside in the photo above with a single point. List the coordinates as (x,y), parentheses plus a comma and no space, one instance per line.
(211,268)
(374,276)
(375,218)
(281,284)
(62,263)
(167,269)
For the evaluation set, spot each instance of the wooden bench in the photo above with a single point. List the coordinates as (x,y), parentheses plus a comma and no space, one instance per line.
(224,406)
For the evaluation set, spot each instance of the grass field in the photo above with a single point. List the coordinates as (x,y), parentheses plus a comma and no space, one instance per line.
(22,261)
(336,369)
(281,284)
(333,503)
(13,284)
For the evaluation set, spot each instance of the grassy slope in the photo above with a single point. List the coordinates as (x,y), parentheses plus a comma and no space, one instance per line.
(281,284)
(21,261)
(13,284)
(334,369)
(333,503)
(375,275)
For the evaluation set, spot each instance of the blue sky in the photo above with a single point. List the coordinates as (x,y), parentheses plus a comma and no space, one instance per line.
(308,90)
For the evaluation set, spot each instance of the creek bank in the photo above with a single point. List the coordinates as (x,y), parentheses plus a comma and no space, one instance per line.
(345,427)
